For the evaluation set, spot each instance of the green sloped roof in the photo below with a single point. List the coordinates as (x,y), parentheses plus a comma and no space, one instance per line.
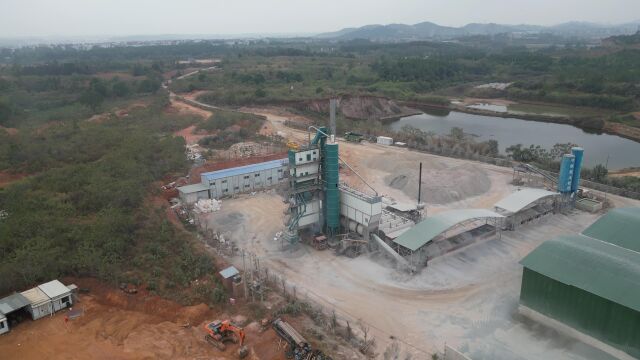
(429,228)
(619,226)
(595,266)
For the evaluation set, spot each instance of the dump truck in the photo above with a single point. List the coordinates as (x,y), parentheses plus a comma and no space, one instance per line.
(298,347)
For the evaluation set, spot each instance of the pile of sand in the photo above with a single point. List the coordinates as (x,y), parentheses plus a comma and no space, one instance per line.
(442,182)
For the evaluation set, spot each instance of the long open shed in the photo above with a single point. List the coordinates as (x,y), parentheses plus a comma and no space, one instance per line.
(525,205)
(9,305)
(430,228)
(520,200)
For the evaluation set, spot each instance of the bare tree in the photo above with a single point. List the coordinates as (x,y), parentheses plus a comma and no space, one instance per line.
(392,352)
(334,320)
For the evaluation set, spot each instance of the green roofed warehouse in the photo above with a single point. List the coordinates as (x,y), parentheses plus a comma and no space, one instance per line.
(588,286)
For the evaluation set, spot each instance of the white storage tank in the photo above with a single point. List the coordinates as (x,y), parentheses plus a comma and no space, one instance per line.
(384,140)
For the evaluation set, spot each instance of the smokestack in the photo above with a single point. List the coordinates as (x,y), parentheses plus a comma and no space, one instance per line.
(420,184)
(332,116)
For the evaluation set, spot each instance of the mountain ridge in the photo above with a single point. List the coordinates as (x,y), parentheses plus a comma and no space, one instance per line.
(430,30)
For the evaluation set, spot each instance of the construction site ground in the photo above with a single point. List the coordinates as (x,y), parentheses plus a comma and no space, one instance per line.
(116,325)
(467,299)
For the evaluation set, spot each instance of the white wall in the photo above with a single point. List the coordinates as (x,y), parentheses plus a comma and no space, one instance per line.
(40,311)
(58,304)
(4,325)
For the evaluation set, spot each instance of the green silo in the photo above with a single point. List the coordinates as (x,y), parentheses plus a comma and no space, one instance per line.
(331,191)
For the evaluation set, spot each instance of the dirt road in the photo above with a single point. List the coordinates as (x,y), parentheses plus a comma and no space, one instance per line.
(467,299)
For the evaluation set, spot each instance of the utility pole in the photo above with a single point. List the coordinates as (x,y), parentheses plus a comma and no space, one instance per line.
(606,167)
(244,274)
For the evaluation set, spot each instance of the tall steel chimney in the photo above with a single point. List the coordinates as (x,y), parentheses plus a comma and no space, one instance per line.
(332,116)
(420,184)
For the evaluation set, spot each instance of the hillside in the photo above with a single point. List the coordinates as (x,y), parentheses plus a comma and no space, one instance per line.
(429,30)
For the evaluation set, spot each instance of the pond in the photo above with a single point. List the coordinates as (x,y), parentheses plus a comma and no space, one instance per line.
(510,131)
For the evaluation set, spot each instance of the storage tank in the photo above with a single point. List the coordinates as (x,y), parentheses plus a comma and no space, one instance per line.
(331,190)
(578,152)
(566,173)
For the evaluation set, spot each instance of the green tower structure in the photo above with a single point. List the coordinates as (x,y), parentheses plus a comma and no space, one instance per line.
(331,179)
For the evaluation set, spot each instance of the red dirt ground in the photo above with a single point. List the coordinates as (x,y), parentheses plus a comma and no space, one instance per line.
(7,178)
(10,131)
(189,137)
(116,325)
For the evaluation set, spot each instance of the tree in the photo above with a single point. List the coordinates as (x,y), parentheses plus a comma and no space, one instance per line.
(6,110)
(493,149)
(260,93)
(92,99)
(457,133)
(560,149)
(599,173)
(120,89)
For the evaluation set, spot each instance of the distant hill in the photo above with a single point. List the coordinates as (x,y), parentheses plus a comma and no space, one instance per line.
(624,41)
(432,31)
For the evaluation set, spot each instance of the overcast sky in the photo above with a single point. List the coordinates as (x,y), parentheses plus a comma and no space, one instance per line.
(141,17)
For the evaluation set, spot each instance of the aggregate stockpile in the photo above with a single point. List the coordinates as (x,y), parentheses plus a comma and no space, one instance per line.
(206,206)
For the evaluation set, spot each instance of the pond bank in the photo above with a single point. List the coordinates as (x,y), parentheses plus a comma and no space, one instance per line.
(591,125)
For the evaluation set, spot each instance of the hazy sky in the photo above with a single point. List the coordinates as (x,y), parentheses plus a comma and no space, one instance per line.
(126,17)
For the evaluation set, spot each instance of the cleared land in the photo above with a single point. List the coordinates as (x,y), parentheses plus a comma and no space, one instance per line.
(467,299)
(120,326)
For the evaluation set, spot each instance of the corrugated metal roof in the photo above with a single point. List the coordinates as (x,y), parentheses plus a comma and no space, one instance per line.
(395,234)
(601,268)
(194,188)
(429,228)
(36,296)
(12,303)
(214,175)
(54,288)
(520,199)
(619,226)
(403,207)
(231,271)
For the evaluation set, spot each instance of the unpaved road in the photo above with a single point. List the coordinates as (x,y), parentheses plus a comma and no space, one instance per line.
(467,299)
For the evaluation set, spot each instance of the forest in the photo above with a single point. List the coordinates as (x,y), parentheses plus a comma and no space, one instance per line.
(84,206)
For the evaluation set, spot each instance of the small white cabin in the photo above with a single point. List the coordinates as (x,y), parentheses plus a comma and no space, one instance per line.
(59,294)
(39,303)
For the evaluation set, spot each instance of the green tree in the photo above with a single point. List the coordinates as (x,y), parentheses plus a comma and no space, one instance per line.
(6,111)
(457,133)
(92,99)
(599,173)
(493,150)
(120,89)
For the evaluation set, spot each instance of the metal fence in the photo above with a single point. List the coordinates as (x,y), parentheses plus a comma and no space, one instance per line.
(259,279)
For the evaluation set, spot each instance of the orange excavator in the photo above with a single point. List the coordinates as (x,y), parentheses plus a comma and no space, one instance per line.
(219,332)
